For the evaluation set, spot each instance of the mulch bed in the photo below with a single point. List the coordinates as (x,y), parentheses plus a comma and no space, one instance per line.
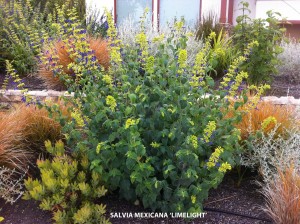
(226,204)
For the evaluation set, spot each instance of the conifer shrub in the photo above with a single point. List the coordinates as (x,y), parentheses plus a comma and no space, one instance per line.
(63,58)
(67,187)
(153,125)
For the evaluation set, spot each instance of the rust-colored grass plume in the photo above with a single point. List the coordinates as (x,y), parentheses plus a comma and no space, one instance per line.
(60,50)
(252,121)
(23,132)
(283,197)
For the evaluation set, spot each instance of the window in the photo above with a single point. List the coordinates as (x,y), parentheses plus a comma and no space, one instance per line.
(132,9)
(169,9)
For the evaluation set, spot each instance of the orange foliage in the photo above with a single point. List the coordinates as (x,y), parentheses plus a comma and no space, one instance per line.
(59,49)
(283,197)
(251,122)
(23,132)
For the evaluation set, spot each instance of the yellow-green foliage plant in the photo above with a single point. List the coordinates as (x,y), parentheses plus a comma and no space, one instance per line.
(153,125)
(67,187)
(221,54)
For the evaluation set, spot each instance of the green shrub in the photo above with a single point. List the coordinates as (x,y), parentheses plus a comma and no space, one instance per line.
(154,126)
(50,6)
(67,187)
(21,30)
(25,27)
(263,60)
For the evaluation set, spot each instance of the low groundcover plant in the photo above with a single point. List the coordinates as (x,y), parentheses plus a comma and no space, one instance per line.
(154,126)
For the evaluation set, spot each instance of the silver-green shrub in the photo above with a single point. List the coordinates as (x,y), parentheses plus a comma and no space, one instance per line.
(129,29)
(270,152)
(290,61)
(11,184)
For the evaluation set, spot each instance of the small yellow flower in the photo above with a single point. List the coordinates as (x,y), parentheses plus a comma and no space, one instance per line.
(182,58)
(159,38)
(78,118)
(224,167)
(208,131)
(111,102)
(149,67)
(178,25)
(193,199)
(213,159)
(212,35)
(98,148)
(130,122)
(194,141)
(155,144)
(237,82)
(255,100)
(210,164)
(266,122)
(107,79)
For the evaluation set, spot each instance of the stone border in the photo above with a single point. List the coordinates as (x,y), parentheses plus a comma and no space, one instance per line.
(15,96)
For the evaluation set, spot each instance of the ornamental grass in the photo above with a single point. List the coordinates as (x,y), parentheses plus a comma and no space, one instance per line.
(253,120)
(283,202)
(23,132)
(63,51)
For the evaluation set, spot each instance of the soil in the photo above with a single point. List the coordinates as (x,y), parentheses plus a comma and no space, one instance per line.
(226,204)
(283,86)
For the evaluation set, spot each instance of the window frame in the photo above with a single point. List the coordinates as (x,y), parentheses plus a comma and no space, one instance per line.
(116,16)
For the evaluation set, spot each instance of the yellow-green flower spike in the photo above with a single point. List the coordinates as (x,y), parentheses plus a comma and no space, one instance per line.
(130,122)
(111,102)
(208,131)
(182,58)
(266,122)
(224,167)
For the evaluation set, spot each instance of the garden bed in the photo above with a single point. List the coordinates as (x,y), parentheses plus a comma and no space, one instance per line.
(227,204)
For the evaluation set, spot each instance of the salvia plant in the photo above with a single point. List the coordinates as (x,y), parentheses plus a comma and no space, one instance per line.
(26,25)
(154,127)
(67,187)
(22,29)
